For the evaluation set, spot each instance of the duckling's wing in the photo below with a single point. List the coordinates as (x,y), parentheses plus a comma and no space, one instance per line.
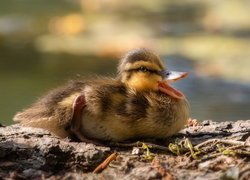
(53,110)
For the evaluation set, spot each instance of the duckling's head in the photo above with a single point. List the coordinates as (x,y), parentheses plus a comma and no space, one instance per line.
(142,70)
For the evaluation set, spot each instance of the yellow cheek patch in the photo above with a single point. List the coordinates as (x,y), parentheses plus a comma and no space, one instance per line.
(138,64)
(142,81)
(68,101)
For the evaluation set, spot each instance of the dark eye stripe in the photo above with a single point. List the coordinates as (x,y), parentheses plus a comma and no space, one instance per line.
(147,70)
(154,71)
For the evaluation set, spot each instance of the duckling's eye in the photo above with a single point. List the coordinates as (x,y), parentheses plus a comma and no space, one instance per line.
(143,69)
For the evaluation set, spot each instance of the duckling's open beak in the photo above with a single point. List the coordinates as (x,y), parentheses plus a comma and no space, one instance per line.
(171,76)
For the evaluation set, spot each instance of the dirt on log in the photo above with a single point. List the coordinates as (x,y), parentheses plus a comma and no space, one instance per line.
(207,151)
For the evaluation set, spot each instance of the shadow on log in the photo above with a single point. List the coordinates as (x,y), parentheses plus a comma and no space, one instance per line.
(207,151)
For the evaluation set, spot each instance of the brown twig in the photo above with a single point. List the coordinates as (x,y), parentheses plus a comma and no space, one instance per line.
(236,147)
(105,163)
(230,142)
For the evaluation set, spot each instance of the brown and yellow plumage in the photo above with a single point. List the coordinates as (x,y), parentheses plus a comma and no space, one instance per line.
(114,109)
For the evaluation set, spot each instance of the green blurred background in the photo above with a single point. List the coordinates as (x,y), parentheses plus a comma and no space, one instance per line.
(43,43)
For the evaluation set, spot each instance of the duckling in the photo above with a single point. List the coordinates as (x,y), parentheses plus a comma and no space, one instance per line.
(138,103)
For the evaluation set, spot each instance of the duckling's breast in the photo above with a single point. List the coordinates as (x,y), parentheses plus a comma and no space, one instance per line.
(165,116)
(116,114)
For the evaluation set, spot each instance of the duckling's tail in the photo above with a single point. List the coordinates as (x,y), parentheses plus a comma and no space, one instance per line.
(53,111)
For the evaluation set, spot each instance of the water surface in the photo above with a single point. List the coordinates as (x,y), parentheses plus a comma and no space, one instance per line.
(26,74)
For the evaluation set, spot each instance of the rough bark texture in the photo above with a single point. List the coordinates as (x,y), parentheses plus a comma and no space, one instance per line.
(30,153)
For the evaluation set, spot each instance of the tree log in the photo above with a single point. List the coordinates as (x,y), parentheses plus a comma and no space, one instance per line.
(208,151)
